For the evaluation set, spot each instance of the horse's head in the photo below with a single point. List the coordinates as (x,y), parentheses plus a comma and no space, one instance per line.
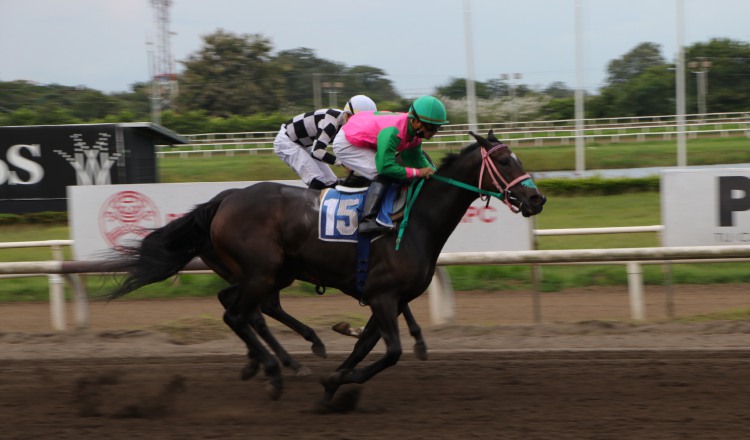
(503,172)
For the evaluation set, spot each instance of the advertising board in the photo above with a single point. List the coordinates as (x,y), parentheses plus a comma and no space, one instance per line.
(38,162)
(705,206)
(104,216)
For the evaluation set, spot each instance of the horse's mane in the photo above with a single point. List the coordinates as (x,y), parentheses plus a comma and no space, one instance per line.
(450,158)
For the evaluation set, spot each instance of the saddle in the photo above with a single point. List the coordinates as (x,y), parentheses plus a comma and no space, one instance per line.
(341,209)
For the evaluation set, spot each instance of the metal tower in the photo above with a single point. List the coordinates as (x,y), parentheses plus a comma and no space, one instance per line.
(164,80)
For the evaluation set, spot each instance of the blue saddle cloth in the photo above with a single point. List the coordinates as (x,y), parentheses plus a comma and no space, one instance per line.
(340,212)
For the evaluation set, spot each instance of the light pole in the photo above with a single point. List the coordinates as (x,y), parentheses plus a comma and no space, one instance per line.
(700,68)
(512,92)
(332,88)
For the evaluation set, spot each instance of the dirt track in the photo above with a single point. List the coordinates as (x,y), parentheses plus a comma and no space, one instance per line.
(173,373)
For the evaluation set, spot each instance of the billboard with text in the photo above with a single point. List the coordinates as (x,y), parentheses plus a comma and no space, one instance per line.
(103,216)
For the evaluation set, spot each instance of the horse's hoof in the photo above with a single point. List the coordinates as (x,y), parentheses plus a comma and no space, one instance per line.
(331,384)
(248,372)
(347,330)
(319,350)
(345,402)
(274,391)
(420,351)
(302,371)
(333,379)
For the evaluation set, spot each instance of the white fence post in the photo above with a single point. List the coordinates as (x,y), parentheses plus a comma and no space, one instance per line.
(57,293)
(635,291)
(442,301)
(80,301)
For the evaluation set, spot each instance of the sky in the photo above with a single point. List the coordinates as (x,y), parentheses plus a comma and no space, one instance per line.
(419,44)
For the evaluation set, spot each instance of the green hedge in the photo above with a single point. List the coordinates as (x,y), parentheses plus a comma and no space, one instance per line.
(598,186)
(46,217)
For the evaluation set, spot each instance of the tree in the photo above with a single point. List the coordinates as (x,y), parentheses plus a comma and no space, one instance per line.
(638,60)
(558,90)
(299,68)
(369,81)
(650,93)
(558,109)
(498,88)
(456,89)
(231,74)
(728,77)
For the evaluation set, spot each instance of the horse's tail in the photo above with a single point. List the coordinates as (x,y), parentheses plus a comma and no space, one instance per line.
(166,250)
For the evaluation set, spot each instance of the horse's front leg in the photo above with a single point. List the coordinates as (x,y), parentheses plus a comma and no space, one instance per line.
(383,323)
(365,343)
(420,347)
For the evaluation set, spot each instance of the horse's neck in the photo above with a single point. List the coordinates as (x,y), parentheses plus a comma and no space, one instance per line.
(438,210)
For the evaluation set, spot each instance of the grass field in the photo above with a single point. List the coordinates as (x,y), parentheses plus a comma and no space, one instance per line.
(267,166)
(633,209)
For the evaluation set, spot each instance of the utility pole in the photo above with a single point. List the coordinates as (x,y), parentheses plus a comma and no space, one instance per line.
(680,86)
(700,68)
(317,101)
(579,96)
(511,78)
(164,79)
(332,88)
(471,93)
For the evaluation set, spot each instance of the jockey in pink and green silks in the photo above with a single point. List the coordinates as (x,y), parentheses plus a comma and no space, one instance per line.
(370,141)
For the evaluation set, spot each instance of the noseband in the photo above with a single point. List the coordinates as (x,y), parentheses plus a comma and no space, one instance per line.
(495,175)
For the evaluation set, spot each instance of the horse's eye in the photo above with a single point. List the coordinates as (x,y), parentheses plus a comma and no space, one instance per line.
(505,161)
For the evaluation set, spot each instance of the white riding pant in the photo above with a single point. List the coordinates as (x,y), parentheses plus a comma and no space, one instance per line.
(361,160)
(300,160)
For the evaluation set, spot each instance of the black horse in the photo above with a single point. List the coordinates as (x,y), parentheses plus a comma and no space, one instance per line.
(265,236)
(271,306)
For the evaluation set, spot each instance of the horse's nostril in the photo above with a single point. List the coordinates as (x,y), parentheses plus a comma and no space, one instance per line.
(538,200)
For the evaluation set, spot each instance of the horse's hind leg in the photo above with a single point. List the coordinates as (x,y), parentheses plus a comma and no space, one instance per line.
(272,307)
(237,316)
(420,347)
(258,323)
(227,297)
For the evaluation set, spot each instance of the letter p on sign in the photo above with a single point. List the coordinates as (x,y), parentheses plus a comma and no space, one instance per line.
(734,196)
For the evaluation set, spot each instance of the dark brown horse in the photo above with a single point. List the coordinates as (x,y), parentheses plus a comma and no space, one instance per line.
(271,306)
(265,236)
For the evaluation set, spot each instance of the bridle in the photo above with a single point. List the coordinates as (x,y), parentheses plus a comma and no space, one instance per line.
(495,174)
(504,193)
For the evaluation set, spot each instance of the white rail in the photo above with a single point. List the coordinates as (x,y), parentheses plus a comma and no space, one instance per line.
(441,295)
(536,133)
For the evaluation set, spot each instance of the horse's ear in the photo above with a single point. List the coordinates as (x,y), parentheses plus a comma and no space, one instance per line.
(491,136)
(482,141)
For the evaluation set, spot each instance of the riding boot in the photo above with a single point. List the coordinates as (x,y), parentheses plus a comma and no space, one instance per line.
(368,225)
(316,184)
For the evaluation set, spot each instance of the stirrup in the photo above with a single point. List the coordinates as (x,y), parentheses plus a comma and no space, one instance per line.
(372,227)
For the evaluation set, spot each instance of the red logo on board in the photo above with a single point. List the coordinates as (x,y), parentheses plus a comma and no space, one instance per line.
(127,216)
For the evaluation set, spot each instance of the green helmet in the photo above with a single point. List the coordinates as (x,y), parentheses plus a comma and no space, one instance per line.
(429,110)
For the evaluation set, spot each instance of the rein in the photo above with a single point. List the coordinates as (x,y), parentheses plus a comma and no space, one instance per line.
(502,194)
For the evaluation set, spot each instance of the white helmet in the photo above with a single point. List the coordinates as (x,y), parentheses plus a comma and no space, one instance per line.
(360,103)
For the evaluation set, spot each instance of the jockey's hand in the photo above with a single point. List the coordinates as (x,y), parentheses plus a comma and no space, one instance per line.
(339,164)
(426,172)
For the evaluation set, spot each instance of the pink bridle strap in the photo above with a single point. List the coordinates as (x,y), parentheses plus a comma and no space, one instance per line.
(495,175)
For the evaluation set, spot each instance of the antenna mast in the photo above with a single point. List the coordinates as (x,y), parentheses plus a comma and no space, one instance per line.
(164,81)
